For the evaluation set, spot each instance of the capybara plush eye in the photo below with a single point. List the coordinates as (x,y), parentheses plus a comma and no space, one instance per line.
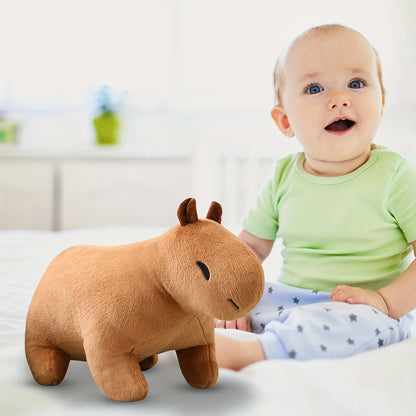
(204,269)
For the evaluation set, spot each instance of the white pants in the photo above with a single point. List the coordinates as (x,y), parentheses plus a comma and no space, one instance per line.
(303,324)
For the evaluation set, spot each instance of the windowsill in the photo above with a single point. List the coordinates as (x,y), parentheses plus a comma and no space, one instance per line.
(119,152)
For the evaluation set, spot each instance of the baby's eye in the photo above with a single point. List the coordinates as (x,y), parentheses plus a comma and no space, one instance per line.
(313,89)
(356,84)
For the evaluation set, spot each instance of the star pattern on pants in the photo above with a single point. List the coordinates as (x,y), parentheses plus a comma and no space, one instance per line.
(325,328)
(353,317)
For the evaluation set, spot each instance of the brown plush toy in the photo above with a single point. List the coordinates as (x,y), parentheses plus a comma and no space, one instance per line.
(118,307)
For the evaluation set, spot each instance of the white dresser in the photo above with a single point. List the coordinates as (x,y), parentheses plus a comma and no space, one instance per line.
(94,188)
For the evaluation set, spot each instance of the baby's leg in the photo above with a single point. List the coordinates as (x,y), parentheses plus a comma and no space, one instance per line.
(236,354)
(278,299)
(330,330)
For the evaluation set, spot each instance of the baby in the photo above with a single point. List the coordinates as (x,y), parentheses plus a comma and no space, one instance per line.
(344,209)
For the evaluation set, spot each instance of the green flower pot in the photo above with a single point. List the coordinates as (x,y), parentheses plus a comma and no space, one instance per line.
(107,128)
(8,131)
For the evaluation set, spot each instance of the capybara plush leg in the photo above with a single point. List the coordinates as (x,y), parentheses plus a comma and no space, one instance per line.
(48,365)
(148,362)
(199,366)
(117,374)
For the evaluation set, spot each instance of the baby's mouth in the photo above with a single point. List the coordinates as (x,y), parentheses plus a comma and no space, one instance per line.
(340,125)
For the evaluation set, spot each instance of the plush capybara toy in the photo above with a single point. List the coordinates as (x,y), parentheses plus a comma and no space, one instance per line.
(118,307)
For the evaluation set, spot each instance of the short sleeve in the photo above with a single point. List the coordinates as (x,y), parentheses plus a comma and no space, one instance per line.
(262,219)
(402,200)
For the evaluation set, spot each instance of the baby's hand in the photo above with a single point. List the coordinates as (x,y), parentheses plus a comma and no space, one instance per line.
(243,324)
(353,295)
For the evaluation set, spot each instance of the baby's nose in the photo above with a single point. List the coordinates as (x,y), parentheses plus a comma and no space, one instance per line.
(338,100)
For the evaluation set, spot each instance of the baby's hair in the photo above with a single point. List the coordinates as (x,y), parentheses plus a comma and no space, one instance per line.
(279,75)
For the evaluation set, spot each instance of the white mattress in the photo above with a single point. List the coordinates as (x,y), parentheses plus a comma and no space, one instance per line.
(380,382)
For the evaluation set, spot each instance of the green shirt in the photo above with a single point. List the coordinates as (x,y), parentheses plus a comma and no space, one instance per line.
(353,229)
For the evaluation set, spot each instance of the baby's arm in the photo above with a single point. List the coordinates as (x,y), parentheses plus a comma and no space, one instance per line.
(396,300)
(261,248)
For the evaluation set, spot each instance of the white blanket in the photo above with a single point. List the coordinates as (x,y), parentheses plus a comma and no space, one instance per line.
(381,382)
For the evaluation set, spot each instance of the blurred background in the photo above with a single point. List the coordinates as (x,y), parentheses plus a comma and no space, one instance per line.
(114,111)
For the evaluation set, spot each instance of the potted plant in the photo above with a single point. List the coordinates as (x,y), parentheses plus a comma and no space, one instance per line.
(8,126)
(107,123)
(8,130)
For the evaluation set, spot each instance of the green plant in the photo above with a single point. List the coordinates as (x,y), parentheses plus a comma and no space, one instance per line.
(107,123)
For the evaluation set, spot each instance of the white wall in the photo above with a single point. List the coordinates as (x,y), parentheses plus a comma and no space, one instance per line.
(190,68)
(197,76)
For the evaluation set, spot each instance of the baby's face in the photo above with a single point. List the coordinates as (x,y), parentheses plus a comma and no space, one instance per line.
(332,96)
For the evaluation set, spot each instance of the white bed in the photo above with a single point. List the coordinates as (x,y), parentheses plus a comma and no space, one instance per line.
(378,383)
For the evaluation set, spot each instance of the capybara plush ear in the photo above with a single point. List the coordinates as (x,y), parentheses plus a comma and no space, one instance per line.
(187,211)
(215,212)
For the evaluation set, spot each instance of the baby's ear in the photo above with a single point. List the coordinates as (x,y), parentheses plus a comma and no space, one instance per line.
(280,118)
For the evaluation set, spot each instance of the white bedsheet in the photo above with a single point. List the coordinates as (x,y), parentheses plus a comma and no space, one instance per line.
(378,383)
